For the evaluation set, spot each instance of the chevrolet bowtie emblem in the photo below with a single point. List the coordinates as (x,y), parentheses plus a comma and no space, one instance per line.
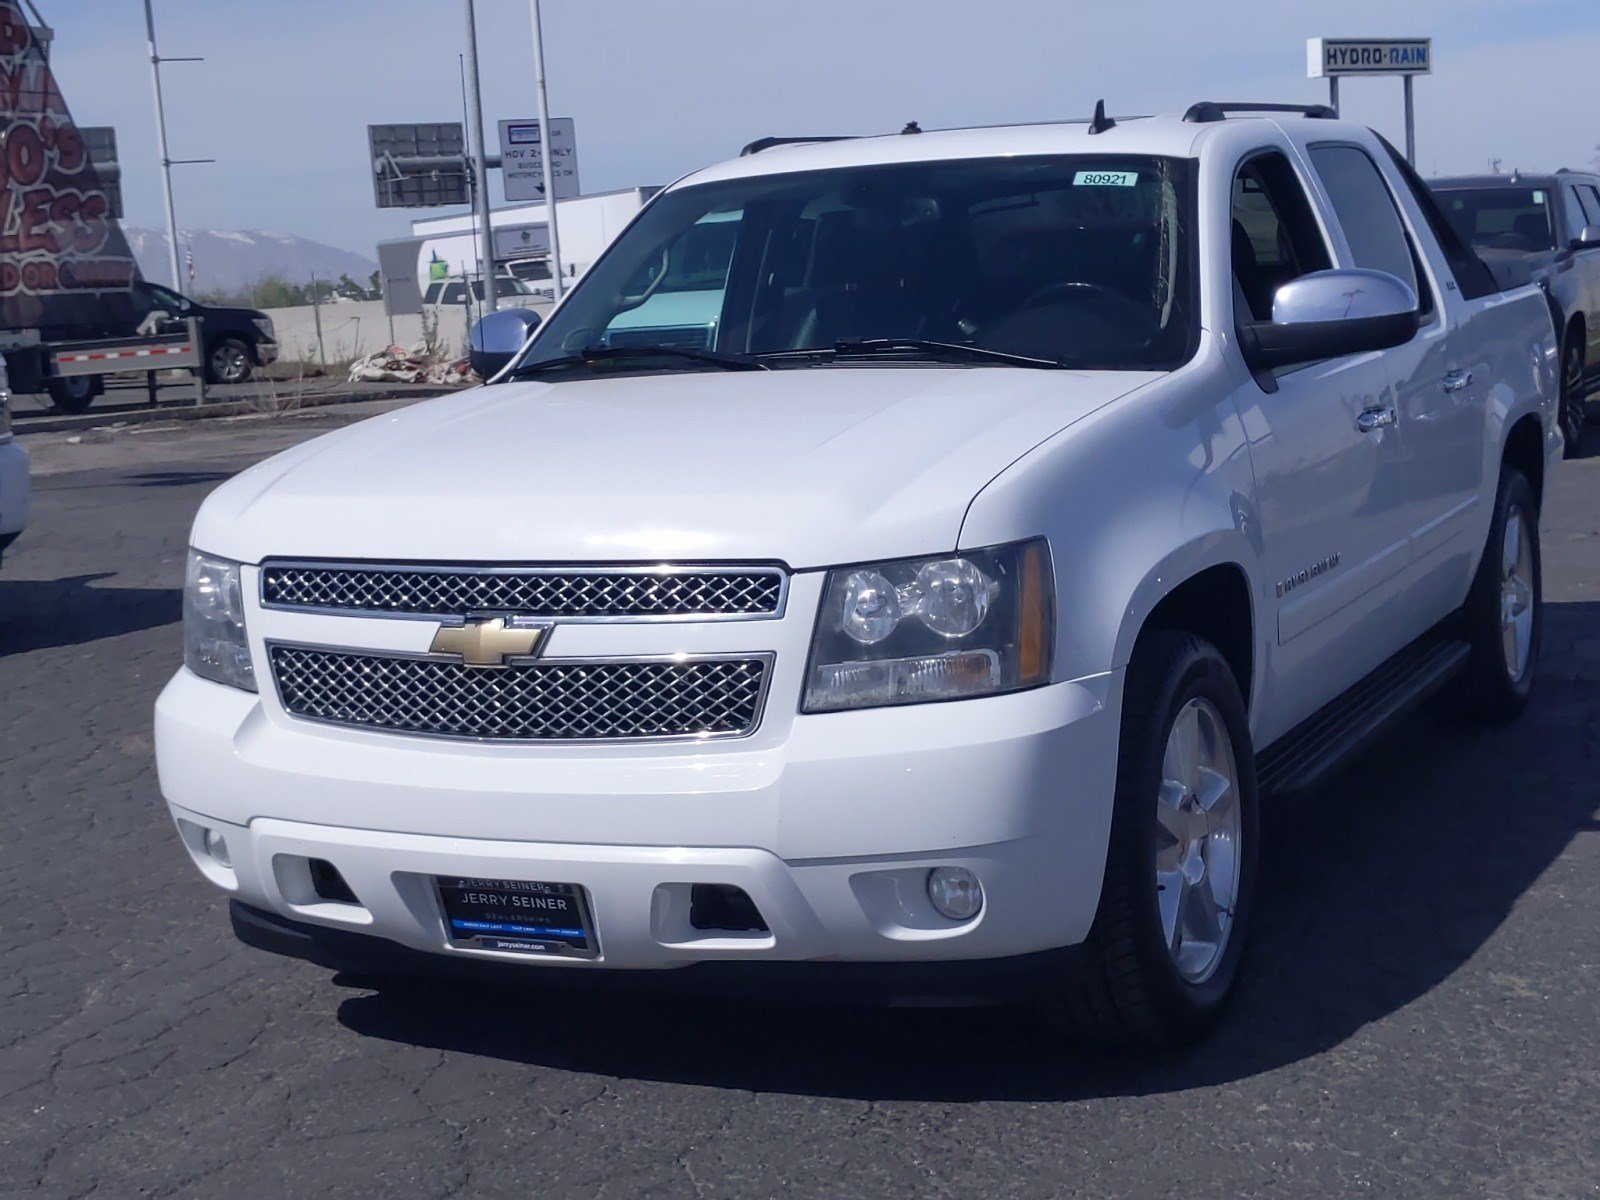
(489,641)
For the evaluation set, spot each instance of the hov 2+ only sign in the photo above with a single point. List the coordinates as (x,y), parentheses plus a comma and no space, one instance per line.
(522,164)
(1330,58)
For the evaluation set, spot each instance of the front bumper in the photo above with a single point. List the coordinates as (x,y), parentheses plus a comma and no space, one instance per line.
(14,491)
(830,831)
(981,981)
(266,352)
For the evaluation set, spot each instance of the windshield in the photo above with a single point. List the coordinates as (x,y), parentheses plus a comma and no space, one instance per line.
(1073,260)
(1501,218)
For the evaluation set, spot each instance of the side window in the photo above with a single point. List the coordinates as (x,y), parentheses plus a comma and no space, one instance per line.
(1576,217)
(1275,235)
(1367,212)
(1589,197)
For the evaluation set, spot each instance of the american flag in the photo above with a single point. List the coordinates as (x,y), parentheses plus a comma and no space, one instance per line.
(188,260)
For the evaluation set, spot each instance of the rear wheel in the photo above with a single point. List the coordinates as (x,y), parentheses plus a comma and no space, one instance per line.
(1574,404)
(1502,619)
(1163,954)
(73,394)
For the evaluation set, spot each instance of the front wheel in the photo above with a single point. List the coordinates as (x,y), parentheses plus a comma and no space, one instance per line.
(1163,954)
(228,361)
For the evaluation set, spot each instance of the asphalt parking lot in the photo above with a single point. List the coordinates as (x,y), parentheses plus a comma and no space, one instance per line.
(1418,1018)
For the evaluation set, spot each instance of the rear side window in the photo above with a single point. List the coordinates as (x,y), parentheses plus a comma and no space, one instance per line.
(1472,277)
(1590,199)
(1366,212)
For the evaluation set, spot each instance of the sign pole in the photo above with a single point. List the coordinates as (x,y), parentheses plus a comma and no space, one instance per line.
(1411,122)
(161,145)
(1333,94)
(547,155)
(480,164)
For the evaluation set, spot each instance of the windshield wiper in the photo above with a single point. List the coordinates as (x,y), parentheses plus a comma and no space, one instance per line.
(590,355)
(867,347)
(860,347)
(731,362)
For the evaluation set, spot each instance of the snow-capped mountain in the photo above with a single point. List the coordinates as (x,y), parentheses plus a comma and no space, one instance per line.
(227,260)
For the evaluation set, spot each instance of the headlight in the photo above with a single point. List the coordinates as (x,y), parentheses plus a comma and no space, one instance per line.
(214,643)
(944,628)
(265,325)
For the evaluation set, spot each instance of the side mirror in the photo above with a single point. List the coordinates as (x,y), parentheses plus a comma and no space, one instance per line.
(496,339)
(1329,314)
(1588,238)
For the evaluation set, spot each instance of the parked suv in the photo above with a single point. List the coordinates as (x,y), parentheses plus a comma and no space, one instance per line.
(1545,228)
(1042,499)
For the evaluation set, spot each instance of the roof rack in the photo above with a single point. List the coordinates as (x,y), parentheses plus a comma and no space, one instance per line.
(767,143)
(1214,110)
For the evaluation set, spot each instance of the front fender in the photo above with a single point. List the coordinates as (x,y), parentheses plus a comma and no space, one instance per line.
(1135,498)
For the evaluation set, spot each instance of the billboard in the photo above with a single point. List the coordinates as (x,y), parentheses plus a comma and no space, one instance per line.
(64,262)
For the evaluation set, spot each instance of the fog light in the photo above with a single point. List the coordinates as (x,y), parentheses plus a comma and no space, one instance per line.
(955,892)
(217,847)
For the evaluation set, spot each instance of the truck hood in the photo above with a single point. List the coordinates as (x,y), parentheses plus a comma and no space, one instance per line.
(807,466)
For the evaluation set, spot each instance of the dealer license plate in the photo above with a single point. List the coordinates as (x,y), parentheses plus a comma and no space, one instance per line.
(522,916)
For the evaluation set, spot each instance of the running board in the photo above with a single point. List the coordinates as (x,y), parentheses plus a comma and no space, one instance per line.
(1330,737)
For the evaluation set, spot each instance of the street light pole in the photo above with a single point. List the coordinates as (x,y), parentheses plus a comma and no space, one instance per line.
(547,153)
(161,143)
(480,165)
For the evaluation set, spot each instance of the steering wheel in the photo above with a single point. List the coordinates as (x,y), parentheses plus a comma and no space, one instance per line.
(1072,289)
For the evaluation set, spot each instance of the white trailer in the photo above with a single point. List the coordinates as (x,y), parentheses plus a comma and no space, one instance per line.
(588,223)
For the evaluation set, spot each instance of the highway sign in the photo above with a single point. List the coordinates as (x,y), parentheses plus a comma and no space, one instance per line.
(1330,58)
(521,165)
(419,166)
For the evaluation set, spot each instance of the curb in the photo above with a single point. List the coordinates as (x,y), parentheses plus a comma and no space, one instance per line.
(24,425)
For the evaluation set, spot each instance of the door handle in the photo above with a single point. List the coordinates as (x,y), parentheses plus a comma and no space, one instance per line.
(1376,418)
(1454,381)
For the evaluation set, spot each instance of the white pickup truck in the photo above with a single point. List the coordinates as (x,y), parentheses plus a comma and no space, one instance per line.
(928,622)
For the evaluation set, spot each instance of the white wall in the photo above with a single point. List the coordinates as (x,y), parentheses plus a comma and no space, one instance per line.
(356,328)
(353,329)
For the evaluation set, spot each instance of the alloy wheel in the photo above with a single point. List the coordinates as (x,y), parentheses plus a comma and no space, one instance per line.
(1198,832)
(1516,594)
(229,363)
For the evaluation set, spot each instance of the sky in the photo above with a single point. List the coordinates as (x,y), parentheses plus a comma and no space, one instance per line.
(660,87)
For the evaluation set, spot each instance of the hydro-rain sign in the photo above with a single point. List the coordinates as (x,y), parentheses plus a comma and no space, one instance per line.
(1330,58)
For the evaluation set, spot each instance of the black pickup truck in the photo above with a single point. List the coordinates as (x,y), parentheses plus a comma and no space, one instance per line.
(236,340)
(1542,228)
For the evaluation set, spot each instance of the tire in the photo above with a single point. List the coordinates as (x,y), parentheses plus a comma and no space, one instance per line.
(229,360)
(1574,409)
(1130,987)
(73,394)
(1503,618)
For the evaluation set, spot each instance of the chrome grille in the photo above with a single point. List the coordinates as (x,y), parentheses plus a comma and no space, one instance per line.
(543,592)
(553,700)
